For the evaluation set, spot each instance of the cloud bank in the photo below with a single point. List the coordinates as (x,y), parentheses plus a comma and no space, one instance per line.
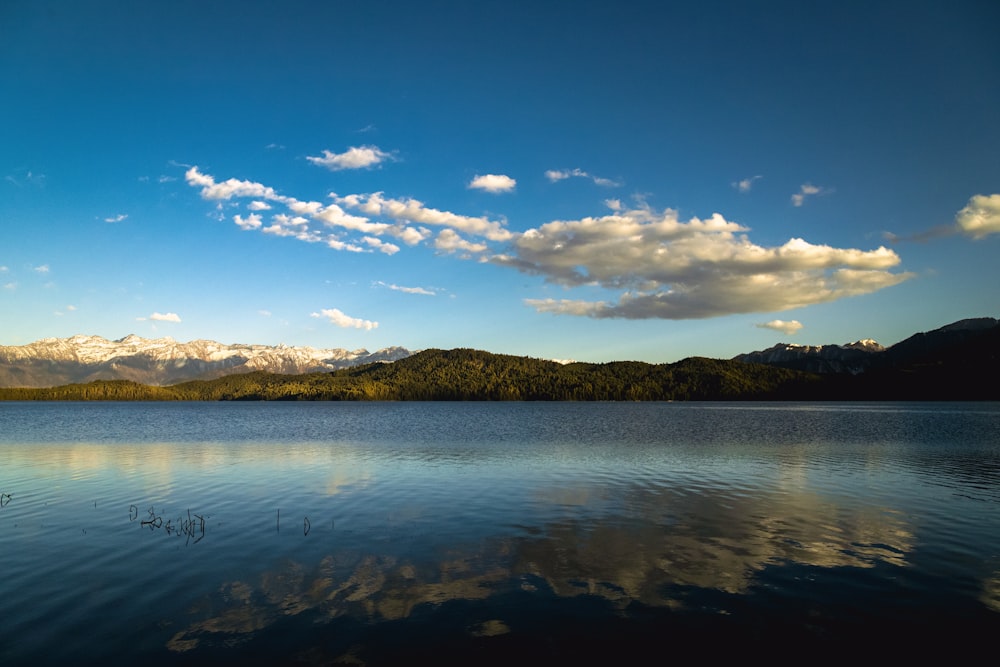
(651,263)
(667,268)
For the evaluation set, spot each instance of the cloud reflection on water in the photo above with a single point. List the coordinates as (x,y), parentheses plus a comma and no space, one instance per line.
(672,542)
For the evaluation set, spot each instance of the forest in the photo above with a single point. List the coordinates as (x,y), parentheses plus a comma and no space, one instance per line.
(465,375)
(473,375)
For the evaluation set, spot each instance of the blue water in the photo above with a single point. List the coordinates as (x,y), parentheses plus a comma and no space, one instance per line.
(469,533)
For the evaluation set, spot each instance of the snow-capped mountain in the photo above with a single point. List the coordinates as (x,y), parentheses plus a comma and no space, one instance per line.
(163,361)
(848,358)
(866,355)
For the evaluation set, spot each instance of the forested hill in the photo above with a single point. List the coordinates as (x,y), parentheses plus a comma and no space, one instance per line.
(471,375)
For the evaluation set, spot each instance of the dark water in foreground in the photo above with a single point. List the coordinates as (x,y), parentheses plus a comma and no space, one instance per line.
(385,533)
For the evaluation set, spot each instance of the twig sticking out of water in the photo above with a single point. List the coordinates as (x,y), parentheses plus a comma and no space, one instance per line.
(192,528)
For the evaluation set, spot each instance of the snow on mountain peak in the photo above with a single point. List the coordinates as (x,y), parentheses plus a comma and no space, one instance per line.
(82,358)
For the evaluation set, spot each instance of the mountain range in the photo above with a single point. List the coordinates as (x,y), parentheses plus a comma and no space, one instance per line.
(952,353)
(867,355)
(163,361)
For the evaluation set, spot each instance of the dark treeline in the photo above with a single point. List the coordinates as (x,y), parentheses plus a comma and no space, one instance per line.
(472,375)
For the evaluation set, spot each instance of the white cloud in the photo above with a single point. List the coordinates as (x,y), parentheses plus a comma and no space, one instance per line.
(165,317)
(227,189)
(289,220)
(411,235)
(252,221)
(335,316)
(412,210)
(980,217)
(671,269)
(43,269)
(399,211)
(380,245)
(495,183)
(300,233)
(449,241)
(10,286)
(71,308)
(653,264)
(116,218)
(746,184)
(4,269)
(310,208)
(806,190)
(605,182)
(264,313)
(336,244)
(334,216)
(356,157)
(407,290)
(789,328)
(555,175)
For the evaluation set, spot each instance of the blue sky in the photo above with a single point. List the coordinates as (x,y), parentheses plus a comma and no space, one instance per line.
(569,180)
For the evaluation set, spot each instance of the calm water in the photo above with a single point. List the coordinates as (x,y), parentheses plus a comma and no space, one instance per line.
(381,533)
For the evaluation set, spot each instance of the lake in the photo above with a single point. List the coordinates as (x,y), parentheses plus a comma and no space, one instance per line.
(482,533)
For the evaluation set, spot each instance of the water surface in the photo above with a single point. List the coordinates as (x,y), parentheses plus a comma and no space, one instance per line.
(370,533)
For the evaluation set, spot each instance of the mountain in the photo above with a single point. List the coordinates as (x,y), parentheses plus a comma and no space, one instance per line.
(948,342)
(163,361)
(850,358)
(940,341)
(956,362)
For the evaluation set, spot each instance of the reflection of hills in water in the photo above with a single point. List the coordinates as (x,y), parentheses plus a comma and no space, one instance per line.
(658,560)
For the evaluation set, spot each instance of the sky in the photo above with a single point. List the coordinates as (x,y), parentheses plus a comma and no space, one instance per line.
(592,181)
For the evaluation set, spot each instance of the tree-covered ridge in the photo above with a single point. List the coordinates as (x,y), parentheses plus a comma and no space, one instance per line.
(464,374)
(471,375)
